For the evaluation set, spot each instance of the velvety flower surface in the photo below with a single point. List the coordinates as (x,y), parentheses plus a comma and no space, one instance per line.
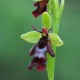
(41,7)
(40,64)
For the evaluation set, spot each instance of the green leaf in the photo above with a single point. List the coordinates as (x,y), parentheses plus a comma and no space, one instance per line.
(55,7)
(61,7)
(55,40)
(32,36)
(46,20)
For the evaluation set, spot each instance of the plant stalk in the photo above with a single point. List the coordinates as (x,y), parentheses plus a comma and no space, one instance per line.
(55,12)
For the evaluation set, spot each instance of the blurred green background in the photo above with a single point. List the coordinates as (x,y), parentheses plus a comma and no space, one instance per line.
(15,19)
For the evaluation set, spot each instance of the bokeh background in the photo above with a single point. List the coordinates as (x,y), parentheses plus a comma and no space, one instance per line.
(15,19)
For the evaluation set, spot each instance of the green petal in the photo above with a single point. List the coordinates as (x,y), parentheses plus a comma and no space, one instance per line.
(55,40)
(32,36)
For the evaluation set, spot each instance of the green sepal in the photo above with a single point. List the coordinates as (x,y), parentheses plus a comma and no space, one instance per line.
(31,37)
(46,20)
(55,40)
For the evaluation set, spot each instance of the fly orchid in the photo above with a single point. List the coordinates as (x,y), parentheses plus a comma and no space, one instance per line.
(40,49)
(43,40)
(41,7)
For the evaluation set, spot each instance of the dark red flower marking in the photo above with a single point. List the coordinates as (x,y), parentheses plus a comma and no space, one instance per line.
(41,7)
(40,63)
(40,49)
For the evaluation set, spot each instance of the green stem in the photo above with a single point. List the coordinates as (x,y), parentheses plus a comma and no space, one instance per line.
(55,12)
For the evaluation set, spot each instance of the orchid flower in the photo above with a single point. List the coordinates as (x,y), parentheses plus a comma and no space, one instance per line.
(41,7)
(43,41)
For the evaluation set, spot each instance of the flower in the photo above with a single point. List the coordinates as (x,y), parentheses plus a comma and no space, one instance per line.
(41,7)
(40,49)
(43,40)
